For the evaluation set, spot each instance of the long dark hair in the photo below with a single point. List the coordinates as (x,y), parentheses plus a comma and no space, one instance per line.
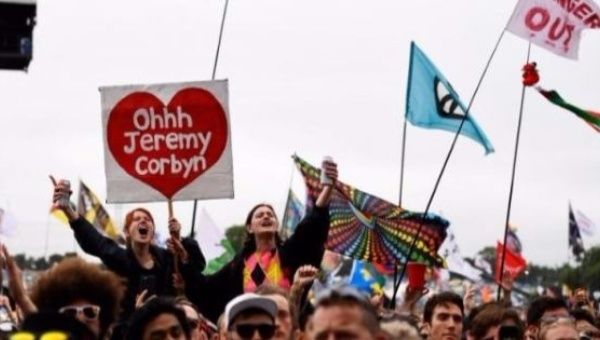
(249,245)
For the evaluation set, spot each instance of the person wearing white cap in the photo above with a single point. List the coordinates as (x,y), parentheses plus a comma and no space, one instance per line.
(250,316)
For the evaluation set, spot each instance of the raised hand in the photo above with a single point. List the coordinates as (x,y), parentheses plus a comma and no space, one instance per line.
(174,228)
(330,168)
(178,283)
(15,283)
(142,297)
(176,248)
(305,275)
(411,297)
(61,197)
(469,298)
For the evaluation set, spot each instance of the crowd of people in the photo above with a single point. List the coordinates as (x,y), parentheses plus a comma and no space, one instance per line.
(145,292)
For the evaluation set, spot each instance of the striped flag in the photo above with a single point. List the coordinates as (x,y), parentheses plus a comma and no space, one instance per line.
(91,208)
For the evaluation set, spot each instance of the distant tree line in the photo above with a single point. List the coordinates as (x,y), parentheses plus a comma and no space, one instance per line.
(39,263)
(585,274)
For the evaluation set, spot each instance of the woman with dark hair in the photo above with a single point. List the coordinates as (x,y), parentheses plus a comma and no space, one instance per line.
(147,267)
(265,258)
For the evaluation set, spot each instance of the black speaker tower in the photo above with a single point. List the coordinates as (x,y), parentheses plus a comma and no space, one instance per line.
(17,19)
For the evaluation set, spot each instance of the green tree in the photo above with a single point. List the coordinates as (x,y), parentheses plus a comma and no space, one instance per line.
(236,234)
(590,269)
(489,255)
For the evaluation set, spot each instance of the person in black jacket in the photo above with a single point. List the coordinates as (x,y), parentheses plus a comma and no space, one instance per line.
(265,258)
(147,268)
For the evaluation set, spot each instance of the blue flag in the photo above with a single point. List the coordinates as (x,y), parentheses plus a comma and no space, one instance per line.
(432,102)
(365,278)
(294,211)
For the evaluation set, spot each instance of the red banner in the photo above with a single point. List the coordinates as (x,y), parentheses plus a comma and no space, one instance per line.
(514,264)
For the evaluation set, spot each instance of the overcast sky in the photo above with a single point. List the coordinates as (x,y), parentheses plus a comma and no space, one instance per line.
(317,78)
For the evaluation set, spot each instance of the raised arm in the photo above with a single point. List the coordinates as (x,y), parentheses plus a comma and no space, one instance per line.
(15,284)
(87,236)
(307,244)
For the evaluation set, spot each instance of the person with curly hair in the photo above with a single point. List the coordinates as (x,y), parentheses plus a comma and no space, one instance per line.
(82,290)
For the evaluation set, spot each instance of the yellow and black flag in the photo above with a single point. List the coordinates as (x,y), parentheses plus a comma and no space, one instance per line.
(90,207)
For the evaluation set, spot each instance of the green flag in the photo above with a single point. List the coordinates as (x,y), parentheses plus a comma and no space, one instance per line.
(216,264)
(590,117)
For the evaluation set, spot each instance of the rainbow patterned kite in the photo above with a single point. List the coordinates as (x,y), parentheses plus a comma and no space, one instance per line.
(366,227)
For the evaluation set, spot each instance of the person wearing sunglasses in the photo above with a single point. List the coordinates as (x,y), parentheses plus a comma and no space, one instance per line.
(80,290)
(250,316)
(284,320)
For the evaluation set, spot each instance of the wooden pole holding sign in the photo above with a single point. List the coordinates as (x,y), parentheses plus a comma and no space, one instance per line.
(170,206)
(175,235)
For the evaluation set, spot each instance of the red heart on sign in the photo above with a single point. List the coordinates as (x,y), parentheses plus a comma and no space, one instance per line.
(167,147)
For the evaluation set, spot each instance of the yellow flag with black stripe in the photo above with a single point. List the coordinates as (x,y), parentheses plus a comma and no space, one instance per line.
(90,207)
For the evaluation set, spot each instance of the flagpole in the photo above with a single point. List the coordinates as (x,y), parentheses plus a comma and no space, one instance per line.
(462,122)
(47,237)
(512,181)
(214,72)
(402,158)
(402,162)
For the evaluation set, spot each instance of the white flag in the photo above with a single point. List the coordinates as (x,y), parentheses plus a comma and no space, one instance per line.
(586,225)
(8,224)
(456,263)
(554,25)
(209,236)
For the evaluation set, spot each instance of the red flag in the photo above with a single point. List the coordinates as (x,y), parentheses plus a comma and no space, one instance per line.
(514,264)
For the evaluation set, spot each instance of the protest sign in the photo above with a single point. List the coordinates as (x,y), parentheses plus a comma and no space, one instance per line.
(554,25)
(167,141)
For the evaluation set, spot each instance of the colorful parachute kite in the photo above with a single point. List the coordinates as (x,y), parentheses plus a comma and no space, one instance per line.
(369,228)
